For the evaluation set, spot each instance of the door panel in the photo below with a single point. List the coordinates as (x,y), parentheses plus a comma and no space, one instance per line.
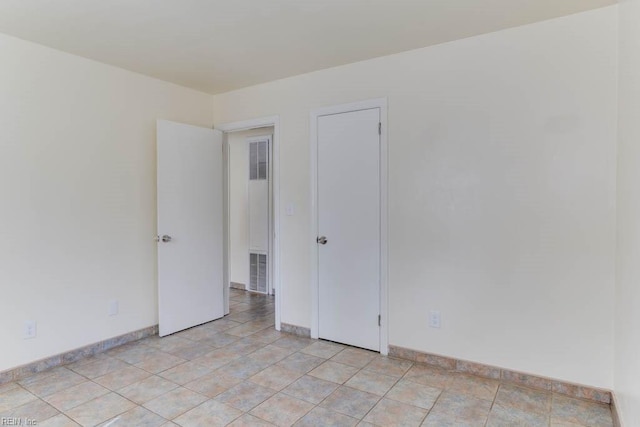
(190,211)
(349,217)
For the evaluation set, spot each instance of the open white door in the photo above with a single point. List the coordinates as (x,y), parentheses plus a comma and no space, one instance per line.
(190,226)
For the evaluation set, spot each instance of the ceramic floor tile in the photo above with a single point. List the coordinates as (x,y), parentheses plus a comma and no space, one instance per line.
(245,330)
(502,417)
(14,397)
(262,337)
(275,377)
(191,351)
(7,387)
(249,421)
(197,333)
(185,372)
(311,389)
(428,375)
(462,406)
(301,362)
(245,367)
(132,353)
(282,410)
(267,336)
(246,346)
(578,411)
(61,380)
(28,379)
(525,399)
(159,362)
(59,420)
(349,401)
(334,371)
(147,389)
(213,384)
(35,410)
(221,325)
(293,342)
(100,409)
(435,419)
(414,394)
(240,316)
(324,417)
(482,388)
(556,423)
(245,396)
(217,358)
(325,350)
(272,353)
(371,382)
(99,367)
(121,378)
(90,359)
(354,357)
(220,340)
(209,414)
(76,395)
(387,366)
(175,402)
(138,417)
(241,307)
(168,343)
(392,413)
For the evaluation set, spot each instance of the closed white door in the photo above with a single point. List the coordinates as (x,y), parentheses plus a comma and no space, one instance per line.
(190,226)
(348,191)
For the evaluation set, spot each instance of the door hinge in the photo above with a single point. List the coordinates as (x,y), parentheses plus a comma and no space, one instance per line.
(379,320)
(379,128)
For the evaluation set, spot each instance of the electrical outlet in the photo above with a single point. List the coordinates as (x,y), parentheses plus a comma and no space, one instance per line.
(434,319)
(290,209)
(29,329)
(113,307)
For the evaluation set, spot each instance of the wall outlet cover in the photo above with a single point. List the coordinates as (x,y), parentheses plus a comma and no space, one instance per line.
(30,329)
(113,307)
(434,319)
(290,210)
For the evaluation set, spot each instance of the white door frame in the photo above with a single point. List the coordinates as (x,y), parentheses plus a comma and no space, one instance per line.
(273,121)
(380,103)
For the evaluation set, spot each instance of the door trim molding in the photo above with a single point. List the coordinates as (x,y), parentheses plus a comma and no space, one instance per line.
(380,103)
(275,263)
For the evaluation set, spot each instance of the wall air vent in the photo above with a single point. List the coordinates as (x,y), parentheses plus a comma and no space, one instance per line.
(258,272)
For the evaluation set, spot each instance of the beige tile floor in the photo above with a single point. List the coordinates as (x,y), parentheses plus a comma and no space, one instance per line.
(239,371)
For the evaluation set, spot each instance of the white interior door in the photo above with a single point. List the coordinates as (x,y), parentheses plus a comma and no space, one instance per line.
(348,191)
(190,226)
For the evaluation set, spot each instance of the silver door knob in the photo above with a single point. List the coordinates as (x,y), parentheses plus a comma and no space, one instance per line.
(166,238)
(322,240)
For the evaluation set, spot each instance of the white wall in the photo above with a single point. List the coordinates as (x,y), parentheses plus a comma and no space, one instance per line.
(78,206)
(502,191)
(627,333)
(238,202)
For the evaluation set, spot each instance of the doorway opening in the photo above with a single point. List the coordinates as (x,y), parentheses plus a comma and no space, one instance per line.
(250,210)
(251,195)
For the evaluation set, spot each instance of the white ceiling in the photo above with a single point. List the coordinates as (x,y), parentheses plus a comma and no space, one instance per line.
(220,45)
